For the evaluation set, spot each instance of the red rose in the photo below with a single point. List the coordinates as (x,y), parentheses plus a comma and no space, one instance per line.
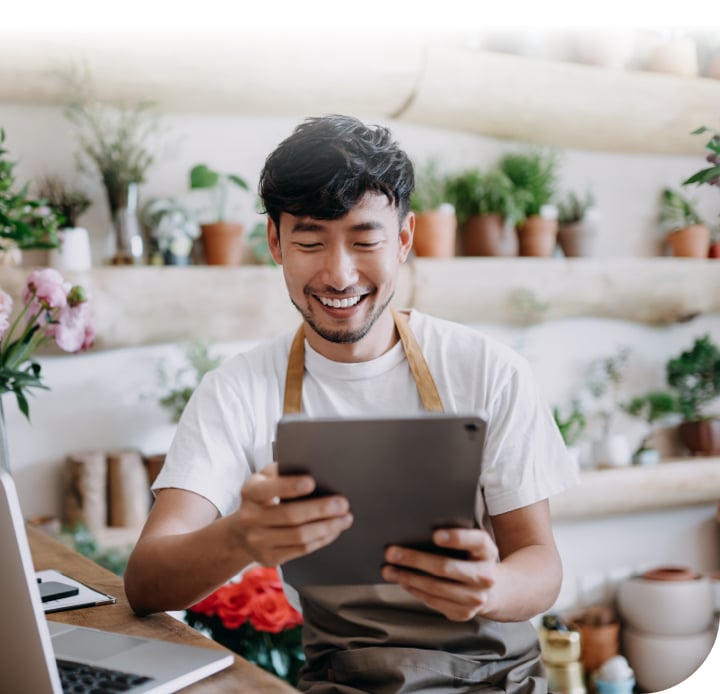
(233,604)
(207,606)
(262,578)
(272,612)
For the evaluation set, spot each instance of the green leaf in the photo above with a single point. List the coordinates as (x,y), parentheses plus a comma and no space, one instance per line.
(238,181)
(703,176)
(201,176)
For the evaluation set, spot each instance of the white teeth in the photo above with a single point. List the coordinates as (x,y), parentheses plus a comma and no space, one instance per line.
(339,303)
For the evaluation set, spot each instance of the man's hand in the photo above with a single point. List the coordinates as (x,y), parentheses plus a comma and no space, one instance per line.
(275,525)
(458,588)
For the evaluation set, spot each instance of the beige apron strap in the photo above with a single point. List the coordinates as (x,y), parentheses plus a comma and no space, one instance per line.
(421,372)
(292,402)
(429,396)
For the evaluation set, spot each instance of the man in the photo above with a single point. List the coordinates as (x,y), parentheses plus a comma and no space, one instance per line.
(337,197)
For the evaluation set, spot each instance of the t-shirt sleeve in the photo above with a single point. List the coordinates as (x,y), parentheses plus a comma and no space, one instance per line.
(525,459)
(206,456)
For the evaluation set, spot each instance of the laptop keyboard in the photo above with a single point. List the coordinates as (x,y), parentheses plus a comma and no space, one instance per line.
(80,678)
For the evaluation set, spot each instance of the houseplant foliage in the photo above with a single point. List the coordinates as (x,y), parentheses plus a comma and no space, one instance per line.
(222,240)
(52,309)
(534,175)
(253,618)
(67,202)
(115,142)
(25,222)
(677,210)
(653,407)
(711,174)
(695,376)
(177,388)
(483,201)
(173,228)
(435,219)
(576,223)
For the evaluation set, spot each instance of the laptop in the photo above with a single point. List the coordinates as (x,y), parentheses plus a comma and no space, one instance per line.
(35,654)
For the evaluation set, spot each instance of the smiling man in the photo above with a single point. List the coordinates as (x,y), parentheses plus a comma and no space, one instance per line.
(337,197)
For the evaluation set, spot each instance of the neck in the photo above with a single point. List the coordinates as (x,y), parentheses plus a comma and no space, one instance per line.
(379,339)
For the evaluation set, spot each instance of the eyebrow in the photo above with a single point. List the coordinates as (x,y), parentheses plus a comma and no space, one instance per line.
(312,225)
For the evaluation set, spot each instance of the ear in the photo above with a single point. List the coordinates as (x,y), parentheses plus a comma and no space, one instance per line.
(273,238)
(407,233)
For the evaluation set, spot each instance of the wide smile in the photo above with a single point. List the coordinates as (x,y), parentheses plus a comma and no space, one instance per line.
(336,302)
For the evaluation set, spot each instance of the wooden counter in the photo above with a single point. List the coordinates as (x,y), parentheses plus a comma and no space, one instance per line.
(48,553)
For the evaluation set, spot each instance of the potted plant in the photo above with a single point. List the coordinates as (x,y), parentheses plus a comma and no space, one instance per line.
(576,224)
(114,141)
(172,227)
(653,407)
(222,240)
(571,428)
(695,376)
(606,376)
(68,203)
(435,220)
(686,233)
(534,175)
(25,222)
(484,203)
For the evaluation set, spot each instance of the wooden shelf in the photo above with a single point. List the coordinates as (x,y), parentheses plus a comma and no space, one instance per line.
(672,483)
(152,305)
(439,80)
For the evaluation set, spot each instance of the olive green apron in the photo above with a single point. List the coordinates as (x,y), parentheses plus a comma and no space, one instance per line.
(379,638)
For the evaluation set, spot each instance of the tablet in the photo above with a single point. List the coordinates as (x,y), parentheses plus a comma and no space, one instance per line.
(404,478)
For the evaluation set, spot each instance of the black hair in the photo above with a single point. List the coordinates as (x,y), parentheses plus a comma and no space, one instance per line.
(324,168)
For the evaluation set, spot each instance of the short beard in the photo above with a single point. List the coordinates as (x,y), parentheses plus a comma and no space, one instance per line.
(343,337)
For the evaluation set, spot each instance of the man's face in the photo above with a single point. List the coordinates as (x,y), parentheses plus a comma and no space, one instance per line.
(341,274)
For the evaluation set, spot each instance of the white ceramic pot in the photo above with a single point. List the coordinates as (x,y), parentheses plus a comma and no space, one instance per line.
(666,608)
(74,251)
(661,662)
(612,451)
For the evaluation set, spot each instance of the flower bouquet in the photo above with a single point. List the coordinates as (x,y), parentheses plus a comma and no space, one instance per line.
(253,618)
(52,309)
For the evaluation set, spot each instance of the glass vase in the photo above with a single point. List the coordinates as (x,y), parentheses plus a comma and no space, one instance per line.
(126,241)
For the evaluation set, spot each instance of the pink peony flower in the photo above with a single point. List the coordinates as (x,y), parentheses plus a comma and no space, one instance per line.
(6,305)
(74,324)
(48,288)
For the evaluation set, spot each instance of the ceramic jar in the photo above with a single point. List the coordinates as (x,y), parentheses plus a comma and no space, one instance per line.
(666,602)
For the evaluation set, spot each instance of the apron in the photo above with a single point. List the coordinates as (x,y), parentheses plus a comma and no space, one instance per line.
(380,639)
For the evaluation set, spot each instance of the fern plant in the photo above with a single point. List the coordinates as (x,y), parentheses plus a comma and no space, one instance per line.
(534,175)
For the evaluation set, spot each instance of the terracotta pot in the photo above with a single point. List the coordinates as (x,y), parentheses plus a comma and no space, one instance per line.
(702,437)
(222,243)
(598,643)
(483,235)
(577,240)
(690,242)
(537,237)
(671,573)
(435,234)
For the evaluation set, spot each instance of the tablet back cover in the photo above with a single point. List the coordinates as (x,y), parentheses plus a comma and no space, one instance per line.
(404,478)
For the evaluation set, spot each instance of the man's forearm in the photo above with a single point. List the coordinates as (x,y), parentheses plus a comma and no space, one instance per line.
(172,572)
(527,583)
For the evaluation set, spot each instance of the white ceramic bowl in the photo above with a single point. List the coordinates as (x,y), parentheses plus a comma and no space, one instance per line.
(666,608)
(661,662)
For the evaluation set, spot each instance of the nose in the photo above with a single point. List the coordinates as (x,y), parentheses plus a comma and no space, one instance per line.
(339,268)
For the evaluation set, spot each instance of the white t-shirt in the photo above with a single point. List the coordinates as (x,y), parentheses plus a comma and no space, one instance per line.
(227,429)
